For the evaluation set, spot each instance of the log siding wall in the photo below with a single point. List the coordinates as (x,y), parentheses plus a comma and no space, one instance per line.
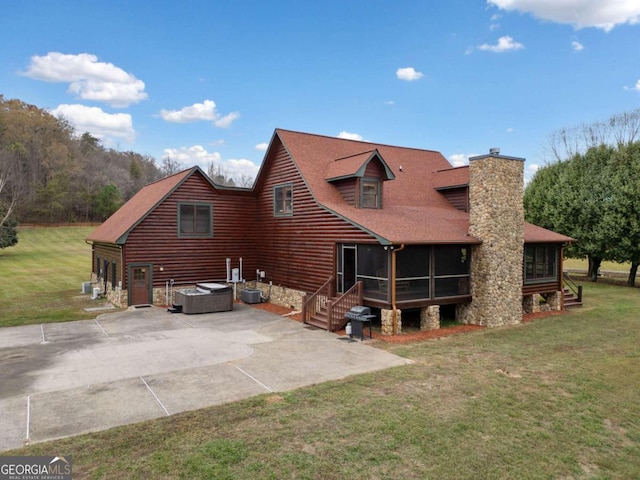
(298,251)
(188,260)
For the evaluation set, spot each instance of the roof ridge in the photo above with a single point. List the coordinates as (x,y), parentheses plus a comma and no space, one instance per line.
(358,141)
(355,155)
(181,172)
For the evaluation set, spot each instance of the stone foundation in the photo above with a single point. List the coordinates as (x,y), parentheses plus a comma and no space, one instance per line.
(549,302)
(555,301)
(430,318)
(465,314)
(386,322)
(285,297)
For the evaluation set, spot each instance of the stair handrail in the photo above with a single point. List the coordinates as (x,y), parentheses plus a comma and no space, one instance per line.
(313,303)
(342,305)
(572,285)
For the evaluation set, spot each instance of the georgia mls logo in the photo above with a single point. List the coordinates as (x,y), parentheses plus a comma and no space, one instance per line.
(35,468)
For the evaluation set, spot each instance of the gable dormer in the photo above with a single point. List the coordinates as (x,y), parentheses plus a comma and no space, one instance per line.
(359,178)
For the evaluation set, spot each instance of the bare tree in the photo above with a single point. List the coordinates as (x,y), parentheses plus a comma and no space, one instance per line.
(245,181)
(619,130)
(219,175)
(10,183)
(169,166)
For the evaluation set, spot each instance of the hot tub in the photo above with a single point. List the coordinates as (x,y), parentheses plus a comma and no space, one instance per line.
(205,298)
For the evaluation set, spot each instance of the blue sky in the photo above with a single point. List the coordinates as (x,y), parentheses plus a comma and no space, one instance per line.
(209,81)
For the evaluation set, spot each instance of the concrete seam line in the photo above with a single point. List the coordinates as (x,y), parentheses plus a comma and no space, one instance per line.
(253,378)
(187,323)
(42,330)
(28,416)
(103,330)
(155,396)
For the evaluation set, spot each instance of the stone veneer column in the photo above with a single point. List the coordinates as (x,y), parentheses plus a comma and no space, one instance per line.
(497,220)
(386,321)
(555,301)
(430,317)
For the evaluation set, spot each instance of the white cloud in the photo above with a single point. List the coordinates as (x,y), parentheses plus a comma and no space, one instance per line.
(194,155)
(262,146)
(88,79)
(636,87)
(530,171)
(460,159)
(198,155)
(205,111)
(102,125)
(510,130)
(577,46)
(409,74)
(224,122)
(241,167)
(350,136)
(505,44)
(604,15)
(389,102)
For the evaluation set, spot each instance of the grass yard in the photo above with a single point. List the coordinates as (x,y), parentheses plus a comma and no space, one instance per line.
(41,276)
(553,399)
(583,264)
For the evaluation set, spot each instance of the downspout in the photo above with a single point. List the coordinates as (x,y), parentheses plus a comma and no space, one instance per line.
(392,280)
(122,273)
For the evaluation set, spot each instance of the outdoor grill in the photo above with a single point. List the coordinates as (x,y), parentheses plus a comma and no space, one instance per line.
(359,315)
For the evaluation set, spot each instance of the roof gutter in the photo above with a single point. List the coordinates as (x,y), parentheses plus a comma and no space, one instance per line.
(394,314)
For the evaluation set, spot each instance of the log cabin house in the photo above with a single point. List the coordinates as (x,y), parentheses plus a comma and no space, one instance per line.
(332,223)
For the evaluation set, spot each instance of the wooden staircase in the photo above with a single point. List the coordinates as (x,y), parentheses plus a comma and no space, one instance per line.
(324,309)
(571,293)
(320,318)
(570,300)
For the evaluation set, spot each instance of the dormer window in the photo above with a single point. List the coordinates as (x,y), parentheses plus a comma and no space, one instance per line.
(370,193)
(359,178)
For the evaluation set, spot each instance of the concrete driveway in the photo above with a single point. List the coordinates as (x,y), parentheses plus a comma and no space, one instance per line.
(62,379)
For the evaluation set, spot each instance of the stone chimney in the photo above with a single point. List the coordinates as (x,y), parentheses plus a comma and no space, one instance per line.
(497,220)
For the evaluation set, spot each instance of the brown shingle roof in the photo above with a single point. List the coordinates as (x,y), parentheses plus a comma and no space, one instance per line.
(413,210)
(355,165)
(535,234)
(118,225)
(451,177)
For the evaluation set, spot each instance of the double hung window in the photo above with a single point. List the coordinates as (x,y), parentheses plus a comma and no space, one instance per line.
(195,220)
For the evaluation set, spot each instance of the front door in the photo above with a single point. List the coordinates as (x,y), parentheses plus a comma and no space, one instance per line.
(140,285)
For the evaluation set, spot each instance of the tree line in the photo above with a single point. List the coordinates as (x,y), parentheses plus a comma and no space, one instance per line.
(591,192)
(51,174)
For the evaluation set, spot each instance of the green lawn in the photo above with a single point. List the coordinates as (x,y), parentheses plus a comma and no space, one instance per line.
(583,264)
(556,398)
(41,276)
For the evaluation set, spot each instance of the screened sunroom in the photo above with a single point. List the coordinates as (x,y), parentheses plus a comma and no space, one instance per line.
(422,274)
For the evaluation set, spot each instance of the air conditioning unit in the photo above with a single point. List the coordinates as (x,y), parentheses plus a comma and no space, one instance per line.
(249,295)
(96,293)
(86,287)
